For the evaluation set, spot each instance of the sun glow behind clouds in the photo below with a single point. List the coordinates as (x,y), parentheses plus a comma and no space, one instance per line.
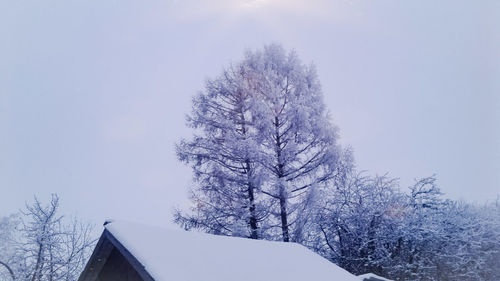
(254,4)
(268,10)
(296,6)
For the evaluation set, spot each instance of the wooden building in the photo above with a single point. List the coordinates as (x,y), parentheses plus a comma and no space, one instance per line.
(134,252)
(111,261)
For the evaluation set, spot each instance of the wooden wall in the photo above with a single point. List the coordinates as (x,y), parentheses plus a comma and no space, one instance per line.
(117,268)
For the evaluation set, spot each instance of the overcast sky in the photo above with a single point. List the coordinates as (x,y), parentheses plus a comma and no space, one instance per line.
(93,94)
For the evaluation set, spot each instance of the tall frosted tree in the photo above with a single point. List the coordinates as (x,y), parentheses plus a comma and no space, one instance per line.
(222,154)
(297,142)
(263,147)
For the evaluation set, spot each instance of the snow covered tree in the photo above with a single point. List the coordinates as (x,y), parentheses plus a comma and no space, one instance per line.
(39,246)
(297,142)
(223,155)
(468,243)
(357,222)
(263,147)
(369,225)
(418,238)
(489,250)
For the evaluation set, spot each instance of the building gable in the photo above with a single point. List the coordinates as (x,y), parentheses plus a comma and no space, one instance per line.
(110,261)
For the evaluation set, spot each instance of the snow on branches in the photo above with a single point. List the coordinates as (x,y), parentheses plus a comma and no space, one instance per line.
(39,245)
(263,145)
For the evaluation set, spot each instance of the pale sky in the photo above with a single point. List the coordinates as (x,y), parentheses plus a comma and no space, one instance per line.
(93,93)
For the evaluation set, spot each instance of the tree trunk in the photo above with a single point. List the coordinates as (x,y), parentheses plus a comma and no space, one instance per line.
(51,264)
(38,261)
(343,253)
(251,196)
(253,217)
(282,195)
(284,218)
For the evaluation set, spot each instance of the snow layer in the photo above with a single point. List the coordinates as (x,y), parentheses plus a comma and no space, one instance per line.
(188,256)
(367,276)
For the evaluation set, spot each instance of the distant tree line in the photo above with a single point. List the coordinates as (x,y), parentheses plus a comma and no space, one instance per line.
(267,165)
(370,225)
(38,244)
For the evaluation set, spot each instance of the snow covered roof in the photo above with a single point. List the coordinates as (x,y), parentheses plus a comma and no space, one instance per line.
(188,256)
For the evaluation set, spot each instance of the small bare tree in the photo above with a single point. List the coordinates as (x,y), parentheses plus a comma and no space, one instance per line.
(42,247)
